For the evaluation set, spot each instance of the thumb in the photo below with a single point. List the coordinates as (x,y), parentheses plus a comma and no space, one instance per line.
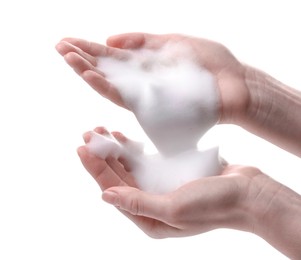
(136,202)
(127,40)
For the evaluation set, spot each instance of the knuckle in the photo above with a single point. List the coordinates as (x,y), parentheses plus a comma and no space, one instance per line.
(135,206)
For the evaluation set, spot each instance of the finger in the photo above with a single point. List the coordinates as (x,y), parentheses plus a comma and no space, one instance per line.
(100,130)
(103,87)
(96,49)
(149,212)
(122,139)
(133,146)
(138,40)
(137,202)
(127,41)
(87,137)
(153,227)
(65,47)
(80,64)
(120,166)
(116,166)
(121,171)
(99,169)
(91,48)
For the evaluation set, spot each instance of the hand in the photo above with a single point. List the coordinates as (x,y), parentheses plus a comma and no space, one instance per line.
(248,97)
(197,207)
(240,198)
(83,55)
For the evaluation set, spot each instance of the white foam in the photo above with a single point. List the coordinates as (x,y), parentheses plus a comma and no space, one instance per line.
(175,100)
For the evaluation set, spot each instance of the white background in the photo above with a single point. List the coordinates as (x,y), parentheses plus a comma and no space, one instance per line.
(50,208)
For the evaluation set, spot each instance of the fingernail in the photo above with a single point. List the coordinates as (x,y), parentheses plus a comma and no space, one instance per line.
(81,151)
(110,197)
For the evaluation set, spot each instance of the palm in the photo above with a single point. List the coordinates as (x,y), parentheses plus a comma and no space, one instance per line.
(82,56)
(198,203)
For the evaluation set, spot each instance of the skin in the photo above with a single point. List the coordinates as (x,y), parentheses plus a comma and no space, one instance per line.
(242,197)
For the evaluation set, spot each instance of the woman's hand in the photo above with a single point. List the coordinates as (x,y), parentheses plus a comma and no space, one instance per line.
(240,198)
(197,207)
(248,97)
(83,55)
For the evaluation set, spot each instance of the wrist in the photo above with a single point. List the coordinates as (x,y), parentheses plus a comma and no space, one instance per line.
(274,214)
(234,94)
(272,111)
(263,96)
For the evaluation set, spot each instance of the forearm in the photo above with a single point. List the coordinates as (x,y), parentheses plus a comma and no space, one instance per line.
(278,214)
(274,111)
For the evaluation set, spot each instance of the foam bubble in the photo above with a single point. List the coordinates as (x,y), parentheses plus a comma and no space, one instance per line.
(175,100)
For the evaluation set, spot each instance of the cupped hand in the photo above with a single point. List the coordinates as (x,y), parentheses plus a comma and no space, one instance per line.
(199,206)
(83,55)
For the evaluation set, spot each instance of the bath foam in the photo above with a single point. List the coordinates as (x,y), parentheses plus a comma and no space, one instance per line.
(175,100)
